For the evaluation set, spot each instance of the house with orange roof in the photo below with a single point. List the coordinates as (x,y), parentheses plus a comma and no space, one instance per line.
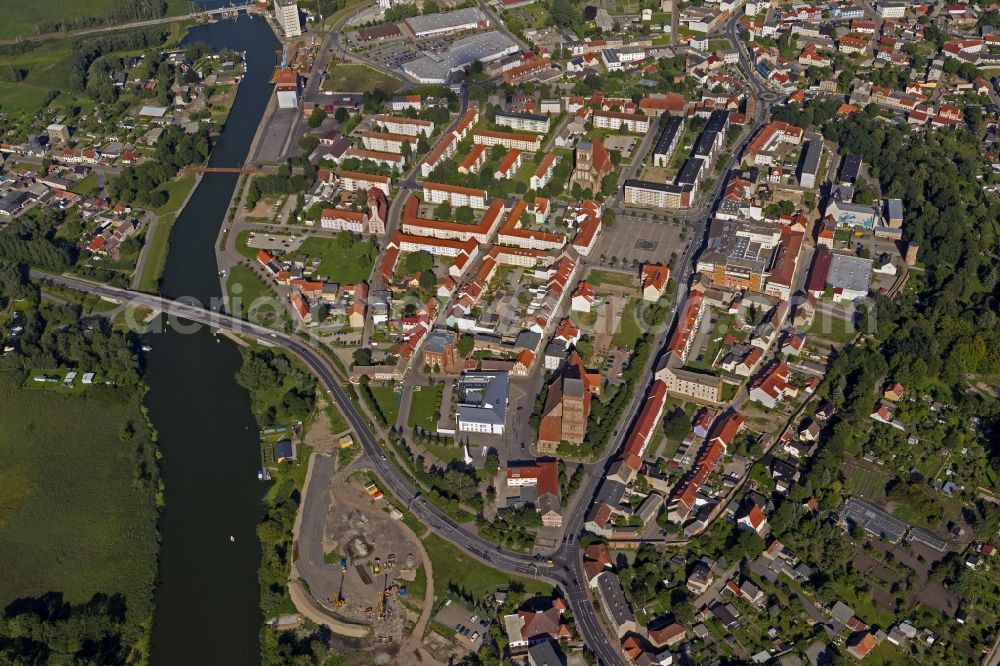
(582,297)
(543,173)
(861,643)
(754,519)
(653,280)
(771,386)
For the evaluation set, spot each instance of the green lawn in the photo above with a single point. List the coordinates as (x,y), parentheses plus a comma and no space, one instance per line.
(358,78)
(87,186)
(73,517)
(452,566)
(720,45)
(597,277)
(424,407)
(156,256)
(247,292)
(18,99)
(338,264)
(177,190)
(863,605)
(832,328)
(629,330)
(388,402)
(243,248)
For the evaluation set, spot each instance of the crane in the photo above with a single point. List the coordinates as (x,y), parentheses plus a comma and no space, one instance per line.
(340,592)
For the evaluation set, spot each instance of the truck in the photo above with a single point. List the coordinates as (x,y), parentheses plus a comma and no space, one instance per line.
(376,566)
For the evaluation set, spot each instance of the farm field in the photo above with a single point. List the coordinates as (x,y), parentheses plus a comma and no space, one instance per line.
(867,483)
(22,22)
(73,517)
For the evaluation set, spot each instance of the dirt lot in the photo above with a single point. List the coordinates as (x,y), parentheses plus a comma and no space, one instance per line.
(360,531)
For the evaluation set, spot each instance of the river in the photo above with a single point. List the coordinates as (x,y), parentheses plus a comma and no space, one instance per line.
(207,595)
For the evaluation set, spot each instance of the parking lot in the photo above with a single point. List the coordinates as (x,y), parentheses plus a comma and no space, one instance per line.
(468,627)
(635,237)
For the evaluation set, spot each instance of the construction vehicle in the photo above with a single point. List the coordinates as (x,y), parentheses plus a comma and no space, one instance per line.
(343,566)
(390,561)
(376,566)
(340,592)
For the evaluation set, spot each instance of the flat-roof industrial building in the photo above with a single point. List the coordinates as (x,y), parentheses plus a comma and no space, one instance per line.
(437,67)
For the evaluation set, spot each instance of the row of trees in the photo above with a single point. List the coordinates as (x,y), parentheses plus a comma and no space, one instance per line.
(122,11)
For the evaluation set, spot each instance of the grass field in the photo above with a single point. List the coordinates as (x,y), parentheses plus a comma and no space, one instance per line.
(73,518)
(832,328)
(246,291)
(451,565)
(337,264)
(243,248)
(424,406)
(156,256)
(177,190)
(598,277)
(388,402)
(358,78)
(21,23)
(87,186)
(18,99)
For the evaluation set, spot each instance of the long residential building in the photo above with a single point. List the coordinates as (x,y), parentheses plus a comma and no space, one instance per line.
(512,233)
(394,161)
(527,142)
(687,326)
(670,137)
(482,231)
(388,142)
(637,123)
(404,125)
(436,193)
(524,122)
(657,195)
(352,181)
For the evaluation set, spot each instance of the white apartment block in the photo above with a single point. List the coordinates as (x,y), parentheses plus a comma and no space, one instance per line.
(444,150)
(525,122)
(657,195)
(637,123)
(436,193)
(543,174)
(527,142)
(352,181)
(404,125)
(343,220)
(388,143)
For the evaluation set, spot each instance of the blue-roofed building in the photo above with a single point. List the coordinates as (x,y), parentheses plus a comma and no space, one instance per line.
(284,450)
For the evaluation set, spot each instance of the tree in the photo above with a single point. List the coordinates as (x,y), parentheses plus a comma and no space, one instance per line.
(341,115)
(443,211)
(464,214)
(308,143)
(419,261)
(316,118)
(427,279)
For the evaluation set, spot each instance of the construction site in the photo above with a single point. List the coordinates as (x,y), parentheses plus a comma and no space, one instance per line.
(378,563)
